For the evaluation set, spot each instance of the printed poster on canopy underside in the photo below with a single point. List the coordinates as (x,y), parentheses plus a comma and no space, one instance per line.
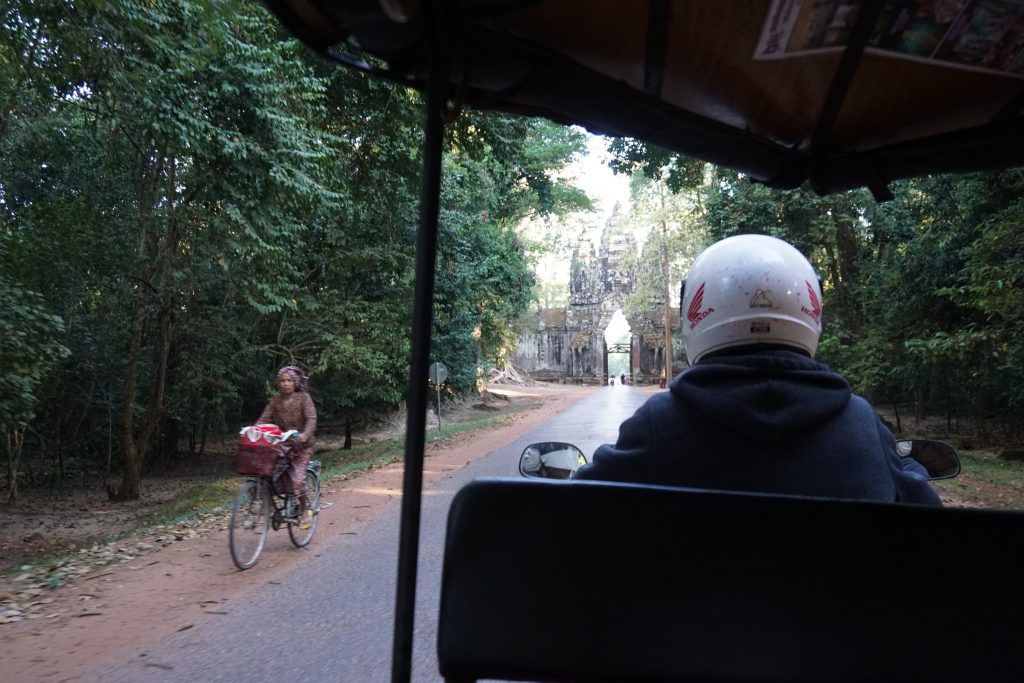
(981,35)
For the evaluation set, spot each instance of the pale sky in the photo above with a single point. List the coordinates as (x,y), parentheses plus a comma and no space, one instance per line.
(597,180)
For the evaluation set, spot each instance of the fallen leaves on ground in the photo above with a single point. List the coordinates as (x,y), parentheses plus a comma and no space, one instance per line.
(23,596)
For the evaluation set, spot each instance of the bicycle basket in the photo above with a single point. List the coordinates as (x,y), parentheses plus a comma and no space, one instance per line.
(257,459)
(258,450)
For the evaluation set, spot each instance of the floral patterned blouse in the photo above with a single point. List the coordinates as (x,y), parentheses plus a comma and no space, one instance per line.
(294,411)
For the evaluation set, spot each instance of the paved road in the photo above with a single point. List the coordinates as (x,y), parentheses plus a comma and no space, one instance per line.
(332,618)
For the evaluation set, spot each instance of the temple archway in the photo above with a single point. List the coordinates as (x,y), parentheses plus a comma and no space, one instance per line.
(568,343)
(618,345)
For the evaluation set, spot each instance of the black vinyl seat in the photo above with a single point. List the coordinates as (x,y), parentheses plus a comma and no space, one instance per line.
(589,581)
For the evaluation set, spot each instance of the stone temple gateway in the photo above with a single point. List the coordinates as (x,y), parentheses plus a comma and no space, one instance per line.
(568,343)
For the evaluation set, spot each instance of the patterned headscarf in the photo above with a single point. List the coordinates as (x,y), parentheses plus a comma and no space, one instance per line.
(297,375)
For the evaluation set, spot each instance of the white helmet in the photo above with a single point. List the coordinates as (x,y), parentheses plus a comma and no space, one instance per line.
(750,289)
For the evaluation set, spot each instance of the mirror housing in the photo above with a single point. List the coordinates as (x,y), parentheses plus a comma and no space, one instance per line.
(551,460)
(938,457)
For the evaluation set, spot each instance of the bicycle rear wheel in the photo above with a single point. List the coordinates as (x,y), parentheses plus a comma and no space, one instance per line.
(250,518)
(302,537)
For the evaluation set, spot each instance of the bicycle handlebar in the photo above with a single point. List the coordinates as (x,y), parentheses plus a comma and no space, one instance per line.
(288,436)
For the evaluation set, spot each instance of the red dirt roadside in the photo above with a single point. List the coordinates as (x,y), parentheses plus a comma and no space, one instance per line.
(173,578)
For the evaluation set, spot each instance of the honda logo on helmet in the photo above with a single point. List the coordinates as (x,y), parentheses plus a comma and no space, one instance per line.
(814,312)
(693,313)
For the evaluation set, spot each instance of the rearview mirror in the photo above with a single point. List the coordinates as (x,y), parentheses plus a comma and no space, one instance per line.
(551,460)
(938,457)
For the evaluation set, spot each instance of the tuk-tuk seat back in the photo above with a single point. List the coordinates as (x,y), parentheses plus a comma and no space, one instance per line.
(591,581)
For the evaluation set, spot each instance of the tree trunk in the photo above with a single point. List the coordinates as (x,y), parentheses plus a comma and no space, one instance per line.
(135,444)
(348,434)
(57,475)
(129,487)
(204,430)
(15,444)
(169,437)
(154,258)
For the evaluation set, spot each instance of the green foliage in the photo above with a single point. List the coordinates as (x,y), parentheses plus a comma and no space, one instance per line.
(198,200)
(521,157)
(656,163)
(674,233)
(921,293)
(30,349)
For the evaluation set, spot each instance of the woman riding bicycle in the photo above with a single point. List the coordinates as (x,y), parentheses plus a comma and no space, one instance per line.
(293,408)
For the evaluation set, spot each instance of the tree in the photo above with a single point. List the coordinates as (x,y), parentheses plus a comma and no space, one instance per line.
(500,170)
(678,172)
(29,351)
(675,235)
(198,200)
(190,166)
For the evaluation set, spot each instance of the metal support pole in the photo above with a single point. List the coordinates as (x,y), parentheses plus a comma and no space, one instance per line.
(667,356)
(422,319)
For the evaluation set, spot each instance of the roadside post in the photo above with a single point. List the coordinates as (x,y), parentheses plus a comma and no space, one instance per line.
(438,374)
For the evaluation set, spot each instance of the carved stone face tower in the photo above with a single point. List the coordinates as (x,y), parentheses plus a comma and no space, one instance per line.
(569,343)
(598,286)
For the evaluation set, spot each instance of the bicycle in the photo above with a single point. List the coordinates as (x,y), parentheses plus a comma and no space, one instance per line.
(261,504)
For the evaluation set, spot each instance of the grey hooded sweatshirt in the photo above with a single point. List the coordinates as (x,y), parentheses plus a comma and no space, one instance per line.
(767,421)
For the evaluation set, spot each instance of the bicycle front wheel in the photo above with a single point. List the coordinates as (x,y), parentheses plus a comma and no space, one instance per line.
(302,537)
(250,518)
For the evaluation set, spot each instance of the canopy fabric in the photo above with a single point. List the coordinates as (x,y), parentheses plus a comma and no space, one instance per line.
(841,94)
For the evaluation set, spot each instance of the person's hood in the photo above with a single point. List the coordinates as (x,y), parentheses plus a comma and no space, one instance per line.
(764,395)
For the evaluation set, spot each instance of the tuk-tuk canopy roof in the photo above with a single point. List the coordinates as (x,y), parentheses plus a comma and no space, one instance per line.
(843,94)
